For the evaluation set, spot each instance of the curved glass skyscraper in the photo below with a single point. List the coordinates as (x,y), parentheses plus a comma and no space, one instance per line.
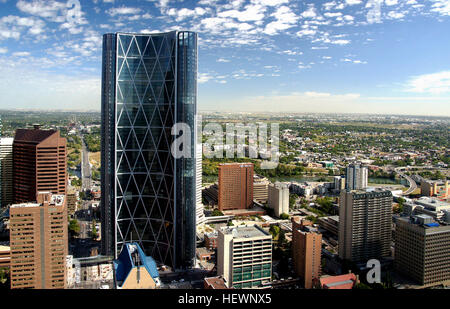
(149,83)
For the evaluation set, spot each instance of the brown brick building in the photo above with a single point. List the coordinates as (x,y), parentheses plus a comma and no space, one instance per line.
(306,251)
(235,186)
(39,164)
(38,240)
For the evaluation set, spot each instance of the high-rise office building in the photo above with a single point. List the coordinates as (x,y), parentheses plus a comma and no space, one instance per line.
(6,171)
(39,164)
(356,177)
(38,240)
(260,189)
(279,198)
(306,251)
(235,186)
(339,183)
(244,256)
(199,211)
(365,225)
(149,84)
(422,250)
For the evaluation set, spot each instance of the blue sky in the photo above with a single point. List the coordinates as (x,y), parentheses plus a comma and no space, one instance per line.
(254,55)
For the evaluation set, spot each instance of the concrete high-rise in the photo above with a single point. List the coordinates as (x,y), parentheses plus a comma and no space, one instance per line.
(306,251)
(39,164)
(149,84)
(279,198)
(244,256)
(6,171)
(422,250)
(260,189)
(38,240)
(365,225)
(235,186)
(199,210)
(356,177)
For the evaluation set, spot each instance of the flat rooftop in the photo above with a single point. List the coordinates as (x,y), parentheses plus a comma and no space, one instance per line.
(216,283)
(432,203)
(23,205)
(245,232)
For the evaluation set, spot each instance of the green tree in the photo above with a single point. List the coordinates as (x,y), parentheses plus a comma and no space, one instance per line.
(274,230)
(4,277)
(284,216)
(94,232)
(217,213)
(362,286)
(74,227)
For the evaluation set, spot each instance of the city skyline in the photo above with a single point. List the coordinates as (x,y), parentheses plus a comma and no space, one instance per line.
(270,55)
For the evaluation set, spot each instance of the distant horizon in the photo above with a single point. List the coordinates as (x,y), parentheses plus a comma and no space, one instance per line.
(234,112)
(341,56)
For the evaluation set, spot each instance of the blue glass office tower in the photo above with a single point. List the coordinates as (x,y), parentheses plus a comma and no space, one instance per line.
(149,83)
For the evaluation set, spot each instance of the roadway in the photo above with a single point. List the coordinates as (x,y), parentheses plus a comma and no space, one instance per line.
(86,175)
(412,183)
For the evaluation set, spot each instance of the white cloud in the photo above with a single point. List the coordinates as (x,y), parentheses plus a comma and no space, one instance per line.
(123,11)
(442,7)
(251,13)
(353,2)
(285,19)
(21,54)
(435,83)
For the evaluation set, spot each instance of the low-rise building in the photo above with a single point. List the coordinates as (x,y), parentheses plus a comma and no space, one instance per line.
(330,224)
(215,283)
(439,188)
(428,206)
(135,270)
(203,254)
(342,282)
(244,256)
(211,240)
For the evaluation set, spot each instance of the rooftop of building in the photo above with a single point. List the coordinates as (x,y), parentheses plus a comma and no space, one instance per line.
(424,221)
(24,205)
(437,182)
(217,283)
(5,248)
(212,234)
(203,251)
(331,218)
(432,203)
(339,282)
(236,163)
(56,200)
(245,231)
(6,141)
(371,191)
(33,135)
